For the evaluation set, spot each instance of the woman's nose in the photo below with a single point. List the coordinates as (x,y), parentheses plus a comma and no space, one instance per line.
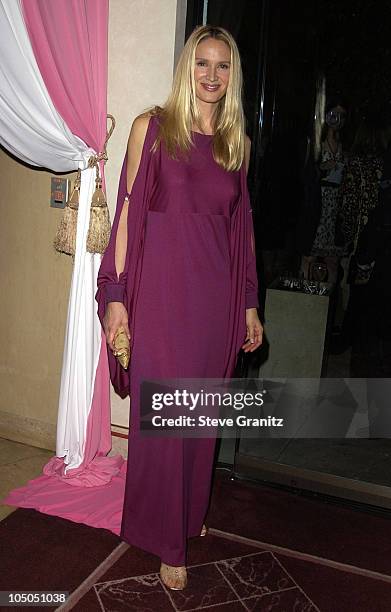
(211,73)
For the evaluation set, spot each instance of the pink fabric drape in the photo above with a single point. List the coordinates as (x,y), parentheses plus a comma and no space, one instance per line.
(70,40)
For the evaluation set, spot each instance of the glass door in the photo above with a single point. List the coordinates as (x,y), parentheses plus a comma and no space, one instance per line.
(296,56)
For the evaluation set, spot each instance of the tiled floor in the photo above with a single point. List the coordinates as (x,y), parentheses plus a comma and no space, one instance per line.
(228,571)
(252,582)
(18,464)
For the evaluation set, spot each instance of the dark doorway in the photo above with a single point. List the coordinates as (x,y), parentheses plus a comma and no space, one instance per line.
(296,56)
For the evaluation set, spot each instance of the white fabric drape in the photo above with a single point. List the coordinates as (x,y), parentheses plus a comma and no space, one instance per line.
(32,130)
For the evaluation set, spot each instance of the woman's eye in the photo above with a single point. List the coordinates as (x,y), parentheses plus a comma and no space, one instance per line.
(202,63)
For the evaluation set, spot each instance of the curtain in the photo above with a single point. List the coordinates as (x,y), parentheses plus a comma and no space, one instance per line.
(53,89)
(69,41)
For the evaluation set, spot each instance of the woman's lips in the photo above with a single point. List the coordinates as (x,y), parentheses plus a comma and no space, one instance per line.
(210,87)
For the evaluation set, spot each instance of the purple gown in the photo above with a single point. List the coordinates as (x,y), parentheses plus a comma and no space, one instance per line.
(189,276)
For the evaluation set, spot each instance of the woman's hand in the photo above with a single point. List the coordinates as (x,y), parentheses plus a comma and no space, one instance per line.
(115,316)
(254,331)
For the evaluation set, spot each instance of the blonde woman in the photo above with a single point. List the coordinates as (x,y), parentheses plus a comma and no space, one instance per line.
(180,275)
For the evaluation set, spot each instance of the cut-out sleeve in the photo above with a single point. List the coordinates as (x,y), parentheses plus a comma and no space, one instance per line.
(112,285)
(124,287)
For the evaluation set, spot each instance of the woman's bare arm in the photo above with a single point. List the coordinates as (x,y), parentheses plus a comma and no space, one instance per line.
(135,147)
(116,314)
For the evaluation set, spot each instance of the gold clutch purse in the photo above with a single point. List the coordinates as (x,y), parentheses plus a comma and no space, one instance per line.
(122,347)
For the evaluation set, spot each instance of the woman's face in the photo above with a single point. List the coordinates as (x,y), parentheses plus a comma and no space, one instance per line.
(211,69)
(336,117)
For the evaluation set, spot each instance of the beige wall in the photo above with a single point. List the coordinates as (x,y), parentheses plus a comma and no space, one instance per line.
(145,36)
(35,281)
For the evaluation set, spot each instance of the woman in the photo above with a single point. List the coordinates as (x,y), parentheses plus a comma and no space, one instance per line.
(331,167)
(360,185)
(180,268)
(360,195)
(373,263)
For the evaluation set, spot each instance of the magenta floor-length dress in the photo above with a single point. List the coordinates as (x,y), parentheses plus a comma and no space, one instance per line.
(196,275)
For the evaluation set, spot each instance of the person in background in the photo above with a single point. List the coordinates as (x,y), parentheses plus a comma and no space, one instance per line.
(332,162)
(359,195)
(373,262)
(359,189)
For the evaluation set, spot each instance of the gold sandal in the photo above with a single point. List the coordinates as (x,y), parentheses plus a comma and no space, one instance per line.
(173,577)
(204,530)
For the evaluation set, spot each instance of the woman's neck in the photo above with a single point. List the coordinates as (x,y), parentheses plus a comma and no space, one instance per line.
(333,135)
(207,116)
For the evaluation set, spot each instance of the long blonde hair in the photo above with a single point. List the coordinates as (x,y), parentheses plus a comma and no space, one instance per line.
(180,111)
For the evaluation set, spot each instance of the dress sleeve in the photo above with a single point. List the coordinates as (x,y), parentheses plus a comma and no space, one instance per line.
(252,300)
(251,278)
(114,292)
(112,286)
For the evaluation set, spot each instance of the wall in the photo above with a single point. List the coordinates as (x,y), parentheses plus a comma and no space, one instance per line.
(35,283)
(145,36)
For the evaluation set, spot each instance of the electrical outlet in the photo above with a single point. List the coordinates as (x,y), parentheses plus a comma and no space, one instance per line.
(59,192)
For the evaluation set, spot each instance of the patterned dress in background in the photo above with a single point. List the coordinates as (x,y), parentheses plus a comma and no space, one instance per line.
(324,242)
(360,192)
(360,195)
